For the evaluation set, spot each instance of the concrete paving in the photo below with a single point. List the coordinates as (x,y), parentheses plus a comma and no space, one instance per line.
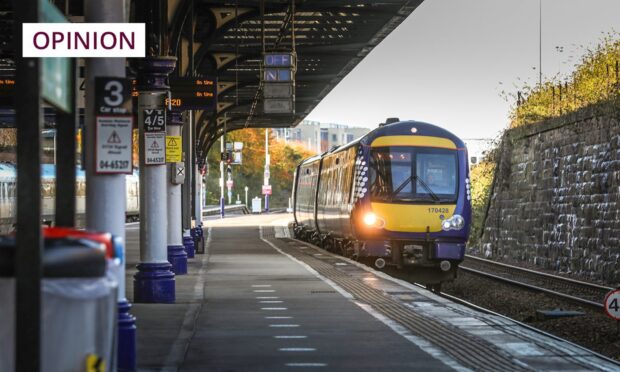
(260,301)
(246,307)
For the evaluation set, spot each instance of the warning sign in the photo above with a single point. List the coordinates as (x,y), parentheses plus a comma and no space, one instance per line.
(155,148)
(113,144)
(173,149)
(612,304)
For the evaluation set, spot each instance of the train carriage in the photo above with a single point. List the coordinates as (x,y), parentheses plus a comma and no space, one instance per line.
(397,196)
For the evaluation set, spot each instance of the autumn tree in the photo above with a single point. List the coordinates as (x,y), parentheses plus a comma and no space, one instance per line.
(284,160)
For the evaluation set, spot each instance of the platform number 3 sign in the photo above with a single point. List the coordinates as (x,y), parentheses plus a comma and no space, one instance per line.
(612,304)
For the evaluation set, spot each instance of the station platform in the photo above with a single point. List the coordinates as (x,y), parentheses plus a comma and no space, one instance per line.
(259,300)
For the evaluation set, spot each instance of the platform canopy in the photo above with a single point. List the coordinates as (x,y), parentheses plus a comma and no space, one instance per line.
(229,39)
(330,38)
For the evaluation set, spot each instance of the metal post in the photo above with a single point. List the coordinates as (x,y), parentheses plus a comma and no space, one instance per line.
(188,243)
(65,163)
(29,248)
(246,196)
(222,149)
(266,180)
(176,250)
(154,281)
(187,189)
(105,207)
(198,195)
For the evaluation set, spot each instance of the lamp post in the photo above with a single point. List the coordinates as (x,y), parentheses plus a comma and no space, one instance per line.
(246,196)
(266,174)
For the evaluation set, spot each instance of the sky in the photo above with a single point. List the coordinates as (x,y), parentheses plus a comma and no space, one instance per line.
(449,61)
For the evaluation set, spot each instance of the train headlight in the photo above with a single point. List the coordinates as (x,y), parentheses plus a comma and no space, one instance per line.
(456,222)
(370,219)
(446,225)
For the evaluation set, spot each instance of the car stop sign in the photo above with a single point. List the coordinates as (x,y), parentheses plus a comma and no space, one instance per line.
(612,304)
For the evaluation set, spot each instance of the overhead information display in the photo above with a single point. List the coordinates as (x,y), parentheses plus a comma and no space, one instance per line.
(193,94)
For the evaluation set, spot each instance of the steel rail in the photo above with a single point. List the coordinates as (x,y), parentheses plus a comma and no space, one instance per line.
(565,296)
(538,273)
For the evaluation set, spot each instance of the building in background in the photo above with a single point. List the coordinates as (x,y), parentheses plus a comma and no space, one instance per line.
(319,137)
(477,149)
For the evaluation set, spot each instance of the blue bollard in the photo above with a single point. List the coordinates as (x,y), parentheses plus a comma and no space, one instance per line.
(154,283)
(126,338)
(188,242)
(178,259)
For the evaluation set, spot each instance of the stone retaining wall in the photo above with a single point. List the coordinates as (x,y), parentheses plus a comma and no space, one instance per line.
(555,201)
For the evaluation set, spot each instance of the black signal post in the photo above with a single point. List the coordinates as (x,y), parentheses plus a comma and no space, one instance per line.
(28,269)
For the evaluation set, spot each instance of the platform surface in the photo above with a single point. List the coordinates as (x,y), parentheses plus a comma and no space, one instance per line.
(261,301)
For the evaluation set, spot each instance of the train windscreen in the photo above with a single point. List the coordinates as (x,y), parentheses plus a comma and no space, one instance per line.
(413,174)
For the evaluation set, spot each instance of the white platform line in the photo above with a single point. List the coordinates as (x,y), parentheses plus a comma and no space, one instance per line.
(284,325)
(297,349)
(261,285)
(271,302)
(306,364)
(264,290)
(290,337)
(278,317)
(274,308)
(267,297)
(437,353)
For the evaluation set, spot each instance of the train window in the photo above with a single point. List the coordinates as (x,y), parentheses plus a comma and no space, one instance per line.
(413,174)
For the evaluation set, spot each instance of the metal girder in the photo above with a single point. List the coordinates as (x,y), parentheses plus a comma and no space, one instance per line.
(331,37)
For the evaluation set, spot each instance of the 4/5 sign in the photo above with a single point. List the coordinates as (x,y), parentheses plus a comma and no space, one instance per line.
(154,120)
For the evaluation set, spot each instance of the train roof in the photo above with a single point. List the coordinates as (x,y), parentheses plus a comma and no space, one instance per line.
(405,128)
(399,128)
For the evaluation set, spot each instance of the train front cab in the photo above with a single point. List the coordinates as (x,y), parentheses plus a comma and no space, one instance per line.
(417,208)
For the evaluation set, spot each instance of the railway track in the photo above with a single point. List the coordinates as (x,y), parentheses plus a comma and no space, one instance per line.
(585,294)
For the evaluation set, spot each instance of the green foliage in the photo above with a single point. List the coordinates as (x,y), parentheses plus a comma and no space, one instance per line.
(481,176)
(594,80)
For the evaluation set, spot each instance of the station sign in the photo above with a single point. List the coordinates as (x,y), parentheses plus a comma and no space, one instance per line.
(154,120)
(279,60)
(155,148)
(56,76)
(278,74)
(114,143)
(275,90)
(112,96)
(279,106)
(612,304)
(113,126)
(174,153)
(266,189)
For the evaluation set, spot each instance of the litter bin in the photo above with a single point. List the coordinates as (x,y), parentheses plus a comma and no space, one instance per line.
(78,309)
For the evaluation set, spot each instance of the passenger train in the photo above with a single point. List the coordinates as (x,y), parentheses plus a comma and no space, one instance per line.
(8,196)
(398,196)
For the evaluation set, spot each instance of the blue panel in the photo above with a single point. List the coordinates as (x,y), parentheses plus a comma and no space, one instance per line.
(178,259)
(154,283)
